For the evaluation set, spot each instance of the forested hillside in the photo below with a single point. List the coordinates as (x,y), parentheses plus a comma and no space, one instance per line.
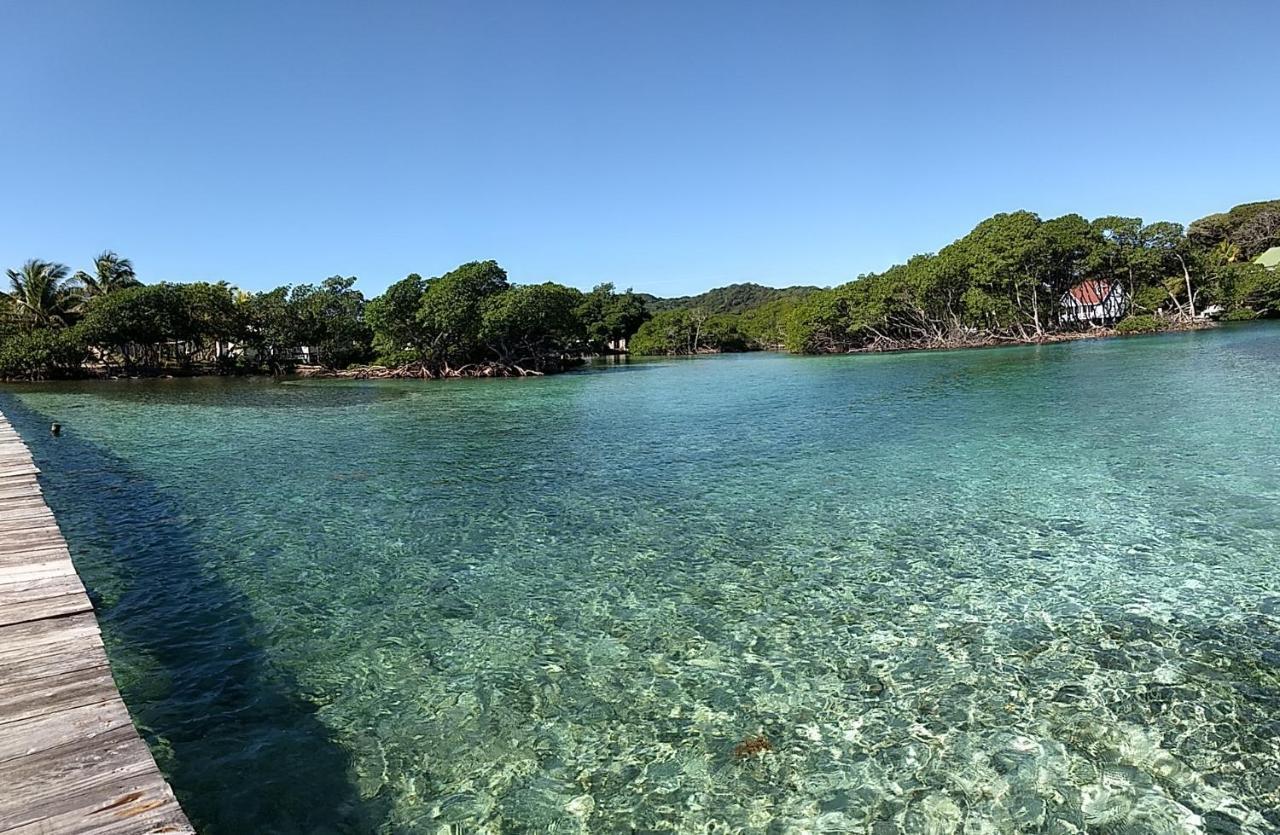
(734,298)
(1006,281)
(1011,279)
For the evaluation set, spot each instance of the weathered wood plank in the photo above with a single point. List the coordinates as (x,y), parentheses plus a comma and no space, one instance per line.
(82,778)
(55,728)
(27,699)
(37,571)
(56,660)
(53,549)
(71,760)
(21,592)
(31,610)
(23,543)
(134,804)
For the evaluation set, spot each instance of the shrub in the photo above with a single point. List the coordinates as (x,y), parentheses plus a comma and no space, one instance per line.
(1240,314)
(396,359)
(1141,324)
(39,354)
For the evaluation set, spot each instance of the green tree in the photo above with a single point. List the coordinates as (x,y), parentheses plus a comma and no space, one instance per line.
(393,317)
(41,353)
(39,295)
(608,316)
(110,273)
(152,325)
(1258,234)
(532,327)
(330,318)
(689,331)
(451,313)
(271,329)
(1001,256)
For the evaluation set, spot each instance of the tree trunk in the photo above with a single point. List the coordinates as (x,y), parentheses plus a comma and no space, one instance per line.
(1191,298)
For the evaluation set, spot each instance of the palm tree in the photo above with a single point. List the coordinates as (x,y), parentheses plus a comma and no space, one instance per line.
(39,294)
(110,273)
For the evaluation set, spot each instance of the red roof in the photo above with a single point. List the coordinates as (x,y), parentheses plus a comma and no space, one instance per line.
(1092,291)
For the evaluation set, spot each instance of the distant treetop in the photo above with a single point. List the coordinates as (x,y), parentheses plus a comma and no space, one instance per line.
(735,298)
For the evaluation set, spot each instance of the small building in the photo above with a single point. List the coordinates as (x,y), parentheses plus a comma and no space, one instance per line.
(1094,302)
(1269,259)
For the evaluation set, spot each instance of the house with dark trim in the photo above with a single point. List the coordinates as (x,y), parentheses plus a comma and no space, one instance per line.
(1094,302)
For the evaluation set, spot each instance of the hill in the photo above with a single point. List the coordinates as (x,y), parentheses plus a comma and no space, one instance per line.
(735,298)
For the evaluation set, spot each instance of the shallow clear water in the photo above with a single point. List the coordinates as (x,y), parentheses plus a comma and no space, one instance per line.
(1018,590)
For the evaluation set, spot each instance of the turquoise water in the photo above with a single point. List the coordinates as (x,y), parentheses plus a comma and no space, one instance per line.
(1016,590)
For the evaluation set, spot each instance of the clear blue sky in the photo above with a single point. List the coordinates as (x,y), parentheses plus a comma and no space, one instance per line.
(669,146)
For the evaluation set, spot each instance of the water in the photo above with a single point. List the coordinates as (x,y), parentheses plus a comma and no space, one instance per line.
(1017,590)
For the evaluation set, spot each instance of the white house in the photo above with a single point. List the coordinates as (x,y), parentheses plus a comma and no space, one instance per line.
(1095,302)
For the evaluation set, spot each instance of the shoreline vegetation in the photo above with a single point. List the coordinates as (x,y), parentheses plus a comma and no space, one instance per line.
(1014,279)
(419,372)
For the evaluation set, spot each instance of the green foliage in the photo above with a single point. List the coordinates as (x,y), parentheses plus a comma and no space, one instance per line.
(765,326)
(473,315)
(393,318)
(148,325)
(110,273)
(735,298)
(1003,281)
(668,332)
(1251,227)
(689,331)
(1240,315)
(531,324)
(607,316)
(40,296)
(41,353)
(452,311)
(1141,324)
(1006,279)
(1150,298)
(1254,289)
(272,330)
(330,318)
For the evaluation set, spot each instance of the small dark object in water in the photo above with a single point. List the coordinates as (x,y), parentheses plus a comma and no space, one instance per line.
(1071,693)
(752,746)
(56,429)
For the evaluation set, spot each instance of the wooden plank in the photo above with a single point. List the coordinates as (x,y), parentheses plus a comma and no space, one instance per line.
(29,529)
(31,610)
(55,548)
(27,699)
(15,491)
(21,592)
(71,760)
(25,499)
(22,544)
(22,508)
(116,772)
(74,726)
(37,571)
(142,805)
(130,804)
(56,660)
(24,639)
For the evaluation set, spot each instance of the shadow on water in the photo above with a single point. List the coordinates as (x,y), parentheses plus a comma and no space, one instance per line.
(241,747)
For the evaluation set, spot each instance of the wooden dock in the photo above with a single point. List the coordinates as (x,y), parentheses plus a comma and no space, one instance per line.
(70,758)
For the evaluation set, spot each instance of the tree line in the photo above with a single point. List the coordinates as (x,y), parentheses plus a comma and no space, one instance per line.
(1005,281)
(469,321)
(1002,282)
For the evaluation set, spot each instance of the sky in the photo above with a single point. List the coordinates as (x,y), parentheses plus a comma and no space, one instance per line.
(666,145)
